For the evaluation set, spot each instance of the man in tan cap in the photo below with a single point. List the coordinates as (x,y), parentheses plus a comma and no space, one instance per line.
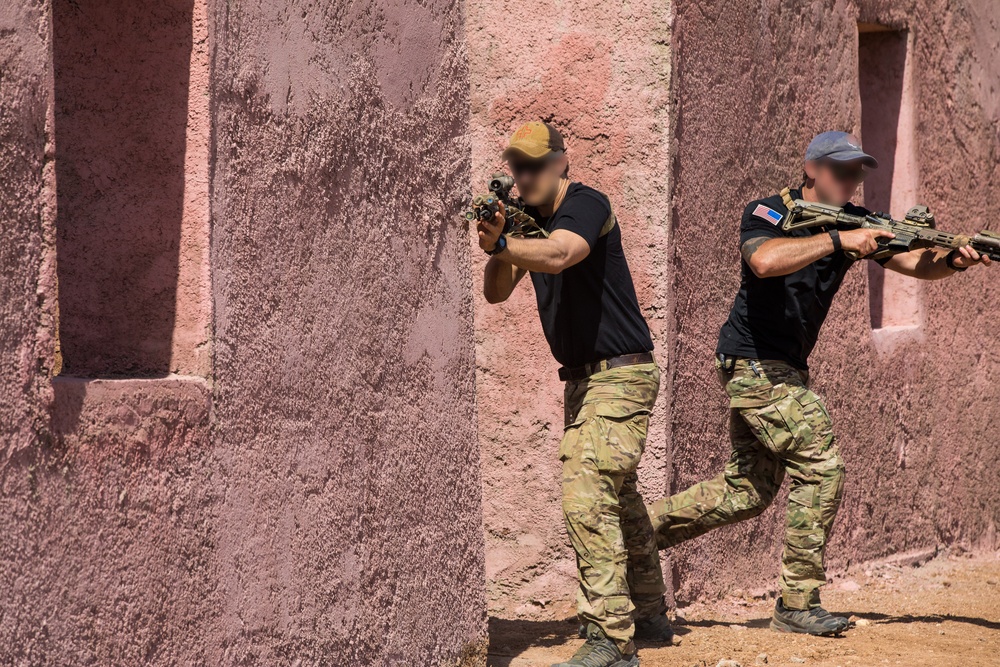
(593,324)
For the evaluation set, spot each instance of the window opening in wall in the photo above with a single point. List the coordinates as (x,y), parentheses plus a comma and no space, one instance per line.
(131,137)
(887,132)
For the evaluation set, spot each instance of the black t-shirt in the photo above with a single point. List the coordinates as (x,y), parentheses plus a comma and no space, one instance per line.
(780,317)
(589,311)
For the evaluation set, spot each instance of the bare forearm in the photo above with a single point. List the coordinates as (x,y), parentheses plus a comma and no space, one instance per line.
(538,255)
(769,258)
(927,264)
(499,280)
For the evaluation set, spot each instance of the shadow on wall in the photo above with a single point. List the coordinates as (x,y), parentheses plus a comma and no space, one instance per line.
(121,98)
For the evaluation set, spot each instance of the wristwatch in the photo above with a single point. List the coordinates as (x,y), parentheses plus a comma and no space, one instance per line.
(499,247)
(950,261)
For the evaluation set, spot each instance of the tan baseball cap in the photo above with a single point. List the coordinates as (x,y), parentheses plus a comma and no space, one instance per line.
(534,140)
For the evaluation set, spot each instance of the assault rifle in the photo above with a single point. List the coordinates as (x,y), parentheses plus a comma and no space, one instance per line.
(915,231)
(517,222)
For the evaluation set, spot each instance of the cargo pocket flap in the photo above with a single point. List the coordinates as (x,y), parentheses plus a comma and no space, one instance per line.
(759,397)
(619,410)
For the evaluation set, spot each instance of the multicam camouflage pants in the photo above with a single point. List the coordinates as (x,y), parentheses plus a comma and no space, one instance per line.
(619,564)
(776,426)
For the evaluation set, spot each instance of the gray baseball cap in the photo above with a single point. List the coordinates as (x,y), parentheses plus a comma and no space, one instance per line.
(839,146)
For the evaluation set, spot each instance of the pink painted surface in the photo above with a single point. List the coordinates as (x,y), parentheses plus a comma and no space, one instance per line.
(131,132)
(350,528)
(317,500)
(913,422)
(107,537)
(26,209)
(885,83)
(599,71)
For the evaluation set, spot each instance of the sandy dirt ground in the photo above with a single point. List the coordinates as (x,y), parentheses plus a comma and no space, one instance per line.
(943,613)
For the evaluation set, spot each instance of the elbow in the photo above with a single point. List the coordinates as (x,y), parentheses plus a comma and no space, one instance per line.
(551,266)
(761,267)
(492,297)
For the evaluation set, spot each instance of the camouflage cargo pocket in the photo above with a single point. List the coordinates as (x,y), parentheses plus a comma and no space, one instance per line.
(611,434)
(622,442)
(784,418)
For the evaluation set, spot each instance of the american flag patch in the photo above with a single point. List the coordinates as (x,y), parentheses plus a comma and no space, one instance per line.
(768,214)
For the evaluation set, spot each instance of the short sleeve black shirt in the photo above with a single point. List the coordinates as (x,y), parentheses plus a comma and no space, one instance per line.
(589,311)
(780,317)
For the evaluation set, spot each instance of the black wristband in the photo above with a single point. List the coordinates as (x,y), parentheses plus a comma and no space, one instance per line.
(950,261)
(835,236)
(500,246)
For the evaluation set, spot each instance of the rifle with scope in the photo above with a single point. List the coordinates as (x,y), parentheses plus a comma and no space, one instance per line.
(916,230)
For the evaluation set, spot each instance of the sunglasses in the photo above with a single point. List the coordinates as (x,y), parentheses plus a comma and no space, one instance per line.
(845,173)
(532,166)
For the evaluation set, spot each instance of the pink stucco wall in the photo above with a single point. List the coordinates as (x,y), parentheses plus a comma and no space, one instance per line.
(314,499)
(600,72)
(748,85)
(103,485)
(27,208)
(350,529)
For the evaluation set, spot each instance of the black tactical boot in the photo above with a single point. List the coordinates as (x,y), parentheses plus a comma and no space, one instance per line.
(599,651)
(815,621)
(656,629)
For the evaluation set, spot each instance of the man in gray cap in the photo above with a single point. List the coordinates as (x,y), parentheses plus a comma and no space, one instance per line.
(777,425)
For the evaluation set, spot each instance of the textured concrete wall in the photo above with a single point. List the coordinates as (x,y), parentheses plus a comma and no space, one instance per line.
(26,209)
(104,486)
(108,530)
(350,526)
(316,499)
(753,84)
(599,71)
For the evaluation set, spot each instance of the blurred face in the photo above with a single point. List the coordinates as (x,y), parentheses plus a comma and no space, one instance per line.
(538,180)
(836,182)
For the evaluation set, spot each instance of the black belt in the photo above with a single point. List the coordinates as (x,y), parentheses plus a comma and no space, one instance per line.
(585,371)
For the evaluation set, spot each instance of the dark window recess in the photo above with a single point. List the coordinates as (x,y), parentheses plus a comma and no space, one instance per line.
(886,132)
(121,112)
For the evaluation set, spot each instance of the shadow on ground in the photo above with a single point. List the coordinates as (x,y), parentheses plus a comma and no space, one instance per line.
(682,630)
(880,619)
(512,638)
